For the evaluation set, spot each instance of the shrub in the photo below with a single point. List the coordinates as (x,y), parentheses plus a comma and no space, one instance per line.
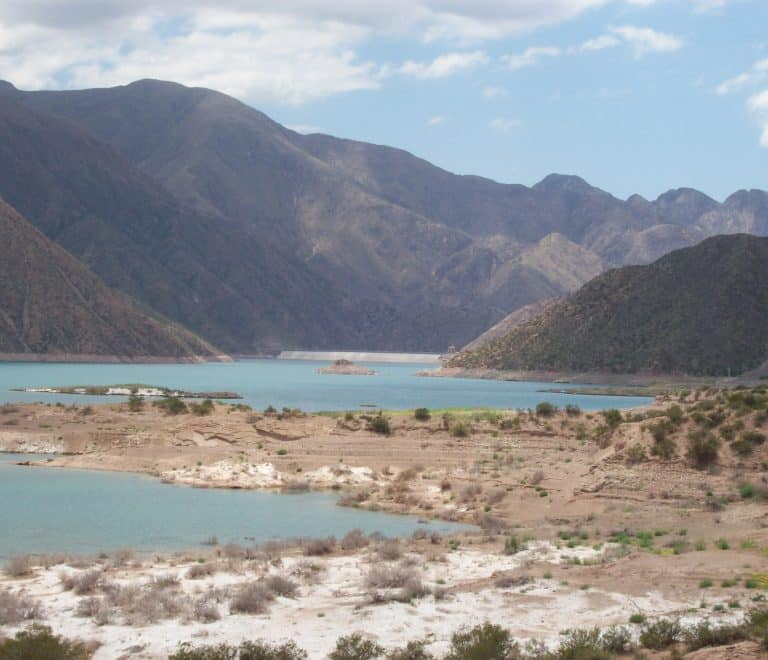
(83,583)
(389,577)
(355,647)
(281,586)
(20,566)
(484,642)
(246,651)
(171,405)
(703,634)
(572,410)
(513,545)
(422,414)
(747,491)
(15,609)
(702,449)
(460,429)
(747,443)
(135,403)
(252,598)
(389,550)
(636,453)
(545,409)
(354,540)
(612,418)
(39,643)
(200,571)
(380,424)
(637,618)
(319,547)
(203,408)
(660,634)
(413,650)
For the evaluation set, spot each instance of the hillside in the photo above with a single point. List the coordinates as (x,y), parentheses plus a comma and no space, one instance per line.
(51,305)
(701,310)
(281,240)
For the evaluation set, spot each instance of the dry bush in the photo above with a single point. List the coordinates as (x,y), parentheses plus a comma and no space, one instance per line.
(15,609)
(309,572)
(53,559)
(319,547)
(145,604)
(536,477)
(281,586)
(168,581)
(97,609)
(273,550)
(389,577)
(489,523)
(200,571)
(410,474)
(83,583)
(389,550)
(354,540)
(205,610)
(470,492)
(252,598)
(508,581)
(20,566)
(445,485)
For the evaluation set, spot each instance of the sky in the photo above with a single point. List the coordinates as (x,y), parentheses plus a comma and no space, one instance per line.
(636,96)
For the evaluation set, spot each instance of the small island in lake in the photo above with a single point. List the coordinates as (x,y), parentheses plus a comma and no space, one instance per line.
(346,368)
(128,390)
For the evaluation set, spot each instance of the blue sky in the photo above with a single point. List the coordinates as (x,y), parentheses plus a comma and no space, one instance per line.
(633,95)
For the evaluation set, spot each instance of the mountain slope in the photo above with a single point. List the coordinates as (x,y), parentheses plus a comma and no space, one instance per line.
(393,251)
(699,310)
(50,304)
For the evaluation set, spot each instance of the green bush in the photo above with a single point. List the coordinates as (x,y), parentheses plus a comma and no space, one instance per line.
(39,643)
(422,414)
(246,651)
(411,651)
(171,405)
(135,403)
(747,491)
(380,424)
(203,408)
(745,445)
(612,418)
(702,449)
(703,634)
(545,409)
(355,647)
(660,634)
(572,410)
(460,430)
(513,545)
(484,642)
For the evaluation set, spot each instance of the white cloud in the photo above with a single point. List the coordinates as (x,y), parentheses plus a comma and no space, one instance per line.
(494,92)
(758,104)
(529,56)
(598,43)
(756,74)
(504,125)
(436,120)
(444,65)
(709,5)
(647,40)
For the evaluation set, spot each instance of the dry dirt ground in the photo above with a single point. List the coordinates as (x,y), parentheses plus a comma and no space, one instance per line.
(608,528)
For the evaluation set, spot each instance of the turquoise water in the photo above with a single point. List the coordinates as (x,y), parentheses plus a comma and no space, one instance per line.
(296,384)
(55,510)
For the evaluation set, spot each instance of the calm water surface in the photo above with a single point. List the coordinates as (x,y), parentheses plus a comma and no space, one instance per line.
(296,384)
(56,510)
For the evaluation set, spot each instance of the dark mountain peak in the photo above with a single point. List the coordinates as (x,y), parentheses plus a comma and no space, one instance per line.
(5,86)
(637,200)
(558,183)
(698,310)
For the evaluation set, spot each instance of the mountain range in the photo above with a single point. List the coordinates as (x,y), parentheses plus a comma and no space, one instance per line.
(258,238)
(701,310)
(51,305)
